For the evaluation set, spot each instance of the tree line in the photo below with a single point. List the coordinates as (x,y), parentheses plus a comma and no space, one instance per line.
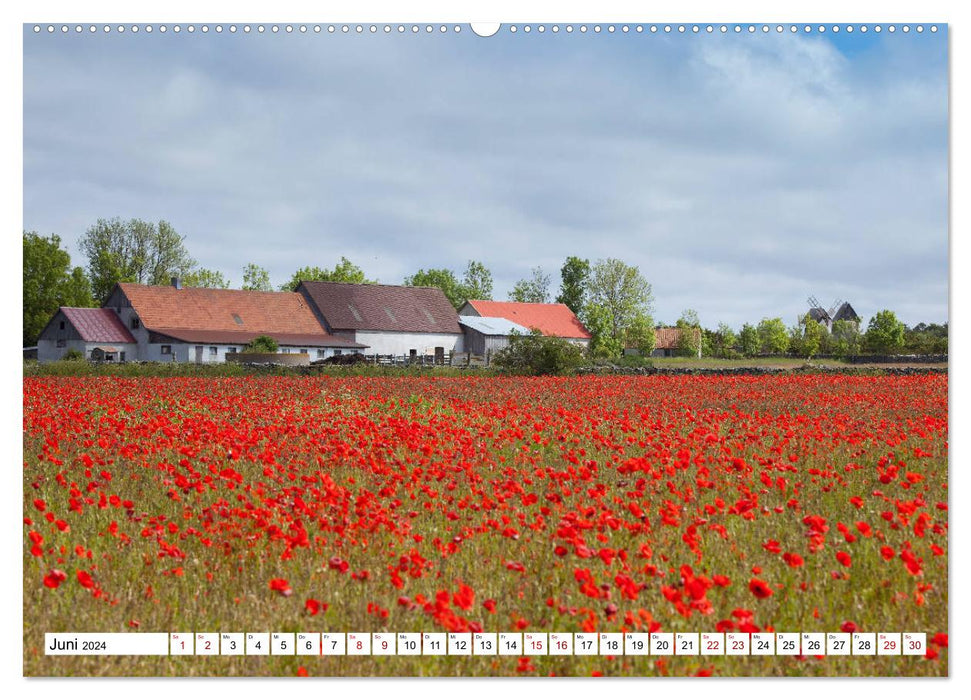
(610,297)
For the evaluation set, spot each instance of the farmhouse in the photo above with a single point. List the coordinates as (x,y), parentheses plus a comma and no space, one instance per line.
(390,320)
(172,323)
(555,320)
(95,333)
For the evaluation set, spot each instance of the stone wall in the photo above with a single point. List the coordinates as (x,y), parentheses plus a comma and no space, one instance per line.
(293,359)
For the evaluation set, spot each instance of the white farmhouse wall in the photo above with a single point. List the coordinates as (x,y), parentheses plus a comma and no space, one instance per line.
(389,343)
(47,350)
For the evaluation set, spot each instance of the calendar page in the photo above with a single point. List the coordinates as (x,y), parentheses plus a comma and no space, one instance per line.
(424,349)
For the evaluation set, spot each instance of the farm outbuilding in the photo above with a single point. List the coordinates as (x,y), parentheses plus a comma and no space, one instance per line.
(388,319)
(667,340)
(485,335)
(555,320)
(88,331)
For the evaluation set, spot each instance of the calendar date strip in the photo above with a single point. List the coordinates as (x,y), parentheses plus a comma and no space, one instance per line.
(458,644)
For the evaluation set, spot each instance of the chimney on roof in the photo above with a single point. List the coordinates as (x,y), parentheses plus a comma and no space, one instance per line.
(177,282)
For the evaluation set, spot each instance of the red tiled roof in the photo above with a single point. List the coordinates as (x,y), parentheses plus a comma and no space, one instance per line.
(549,319)
(192,335)
(214,311)
(98,325)
(382,307)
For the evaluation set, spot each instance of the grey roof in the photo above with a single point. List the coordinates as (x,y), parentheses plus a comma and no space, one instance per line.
(491,325)
(819,314)
(846,313)
(382,307)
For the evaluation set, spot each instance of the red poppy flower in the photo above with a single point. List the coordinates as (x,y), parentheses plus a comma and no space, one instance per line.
(759,588)
(281,586)
(84,578)
(844,558)
(54,578)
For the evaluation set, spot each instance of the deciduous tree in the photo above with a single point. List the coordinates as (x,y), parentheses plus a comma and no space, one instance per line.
(884,333)
(133,251)
(344,271)
(574,276)
(204,277)
(49,283)
(622,290)
(256,278)
(534,289)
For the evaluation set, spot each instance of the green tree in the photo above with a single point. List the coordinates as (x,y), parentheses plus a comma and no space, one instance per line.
(689,336)
(926,339)
(574,276)
(599,321)
(773,337)
(748,340)
(724,341)
(443,279)
(256,278)
(884,333)
(204,277)
(262,344)
(49,283)
(641,335)
(133,251)
(622,290)
(534,289)
(344,271)
(477,282)
(812,338)
(538,354)
(846,338)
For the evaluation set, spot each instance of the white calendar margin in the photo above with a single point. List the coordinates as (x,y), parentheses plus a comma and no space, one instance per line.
(11,645)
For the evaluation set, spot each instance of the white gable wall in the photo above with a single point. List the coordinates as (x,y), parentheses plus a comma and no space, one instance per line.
(393,343)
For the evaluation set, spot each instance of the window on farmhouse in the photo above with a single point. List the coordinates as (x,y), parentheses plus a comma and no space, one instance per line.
(213,350)
(320,352)
(166,350)
(303,350)
(62,343)
(135,323)
(62,325)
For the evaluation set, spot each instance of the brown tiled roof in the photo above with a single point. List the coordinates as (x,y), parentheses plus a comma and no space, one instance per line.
(192,335)
(549,319)
(98,325)
(382,307)
(211,312)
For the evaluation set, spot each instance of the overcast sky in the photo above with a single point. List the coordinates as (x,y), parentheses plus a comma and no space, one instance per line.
(739,173)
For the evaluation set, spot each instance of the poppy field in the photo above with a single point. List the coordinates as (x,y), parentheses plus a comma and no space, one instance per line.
(798,503)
